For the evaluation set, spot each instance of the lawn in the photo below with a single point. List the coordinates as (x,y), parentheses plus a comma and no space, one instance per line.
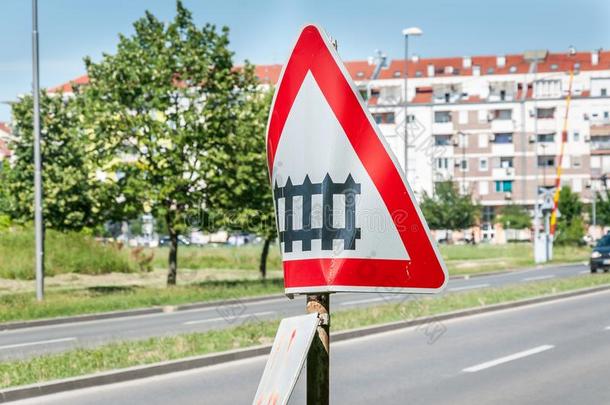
(468,259)
(69,252)
(126,354)
(23,306)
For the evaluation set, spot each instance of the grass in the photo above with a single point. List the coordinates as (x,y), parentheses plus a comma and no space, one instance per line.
(23,306)
(221,257)
(64,253)
(126,354)
(468,259)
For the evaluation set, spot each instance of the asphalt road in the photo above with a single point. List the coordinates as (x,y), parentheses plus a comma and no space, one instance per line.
(551,353)
(23,343)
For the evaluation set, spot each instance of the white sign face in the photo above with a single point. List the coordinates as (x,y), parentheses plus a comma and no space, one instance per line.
(288,353)
(347,219)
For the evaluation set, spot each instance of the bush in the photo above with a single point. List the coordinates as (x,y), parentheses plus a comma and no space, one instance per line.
(69,252)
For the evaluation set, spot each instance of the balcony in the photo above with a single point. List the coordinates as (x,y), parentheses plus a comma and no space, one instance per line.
(503,173)
(499,125)
(502,149)
(442,128)
(600,144)
(546,125)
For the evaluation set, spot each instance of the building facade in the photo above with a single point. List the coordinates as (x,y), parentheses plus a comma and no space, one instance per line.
(492,124)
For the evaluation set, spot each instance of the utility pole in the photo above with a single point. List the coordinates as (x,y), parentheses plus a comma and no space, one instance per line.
(407,32)
(38,220)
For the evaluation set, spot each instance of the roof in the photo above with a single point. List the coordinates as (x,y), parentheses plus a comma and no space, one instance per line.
(362,70)
(4,127)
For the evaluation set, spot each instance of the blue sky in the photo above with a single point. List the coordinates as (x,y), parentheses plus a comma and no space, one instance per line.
(263,31)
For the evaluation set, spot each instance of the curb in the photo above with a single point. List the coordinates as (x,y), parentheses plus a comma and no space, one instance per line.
(138,372)
(132,312)
(206,304)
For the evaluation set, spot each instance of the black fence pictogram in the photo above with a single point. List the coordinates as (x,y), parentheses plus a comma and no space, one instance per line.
(327,233)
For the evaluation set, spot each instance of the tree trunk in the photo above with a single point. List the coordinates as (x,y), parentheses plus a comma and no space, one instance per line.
(173,251)
(264,254)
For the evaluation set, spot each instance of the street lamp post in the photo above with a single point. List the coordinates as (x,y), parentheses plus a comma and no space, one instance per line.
(407,32)
(38,220)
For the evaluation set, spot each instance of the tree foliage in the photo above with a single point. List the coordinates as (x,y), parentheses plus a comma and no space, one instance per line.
(165,112)
(514,217)
(448,209)
(570,226)
(73,197)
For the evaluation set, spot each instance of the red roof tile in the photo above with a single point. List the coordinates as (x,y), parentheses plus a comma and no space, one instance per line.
(4,127)
(444,67)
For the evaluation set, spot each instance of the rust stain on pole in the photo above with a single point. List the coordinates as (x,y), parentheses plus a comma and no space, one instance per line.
(318,359)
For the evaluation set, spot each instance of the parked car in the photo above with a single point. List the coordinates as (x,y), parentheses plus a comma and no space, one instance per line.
(182,241)
(600,256)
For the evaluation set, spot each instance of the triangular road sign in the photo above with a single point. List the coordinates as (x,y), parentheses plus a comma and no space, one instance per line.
(347,219)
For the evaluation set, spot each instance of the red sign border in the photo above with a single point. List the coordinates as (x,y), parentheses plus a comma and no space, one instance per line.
(314,53)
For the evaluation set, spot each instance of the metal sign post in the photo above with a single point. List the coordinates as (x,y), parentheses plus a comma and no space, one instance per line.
(318,358)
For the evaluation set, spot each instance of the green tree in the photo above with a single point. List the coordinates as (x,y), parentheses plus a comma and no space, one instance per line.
(248,198)
(169,103)
(73,196)
(570,226)
(602,207)
(514,217)
(448,209)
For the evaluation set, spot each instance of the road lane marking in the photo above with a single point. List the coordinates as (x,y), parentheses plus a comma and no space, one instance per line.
(41,342)
(469,287)
(227,318)
(538,278)
(584,271)
(506,359)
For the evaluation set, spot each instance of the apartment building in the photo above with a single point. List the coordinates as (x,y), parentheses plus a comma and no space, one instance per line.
(5,137)
(492,124)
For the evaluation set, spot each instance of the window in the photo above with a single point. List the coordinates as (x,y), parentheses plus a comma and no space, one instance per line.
(463,164)
(503,138)
(490,71)
(512,69)
(483,164)
(544,113)
(442,163)
(359,74)
(384,118)
(503,114)
(463,140)
(506,162)
(502,95)
(397,73)
(418,73)
(442,140)
(546,161)
(546,138)
(483,140)
(576,162)
(554,66)
(576,136)
(504,186)
(483,188)
(604,92)
(442,116)
(410,118)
